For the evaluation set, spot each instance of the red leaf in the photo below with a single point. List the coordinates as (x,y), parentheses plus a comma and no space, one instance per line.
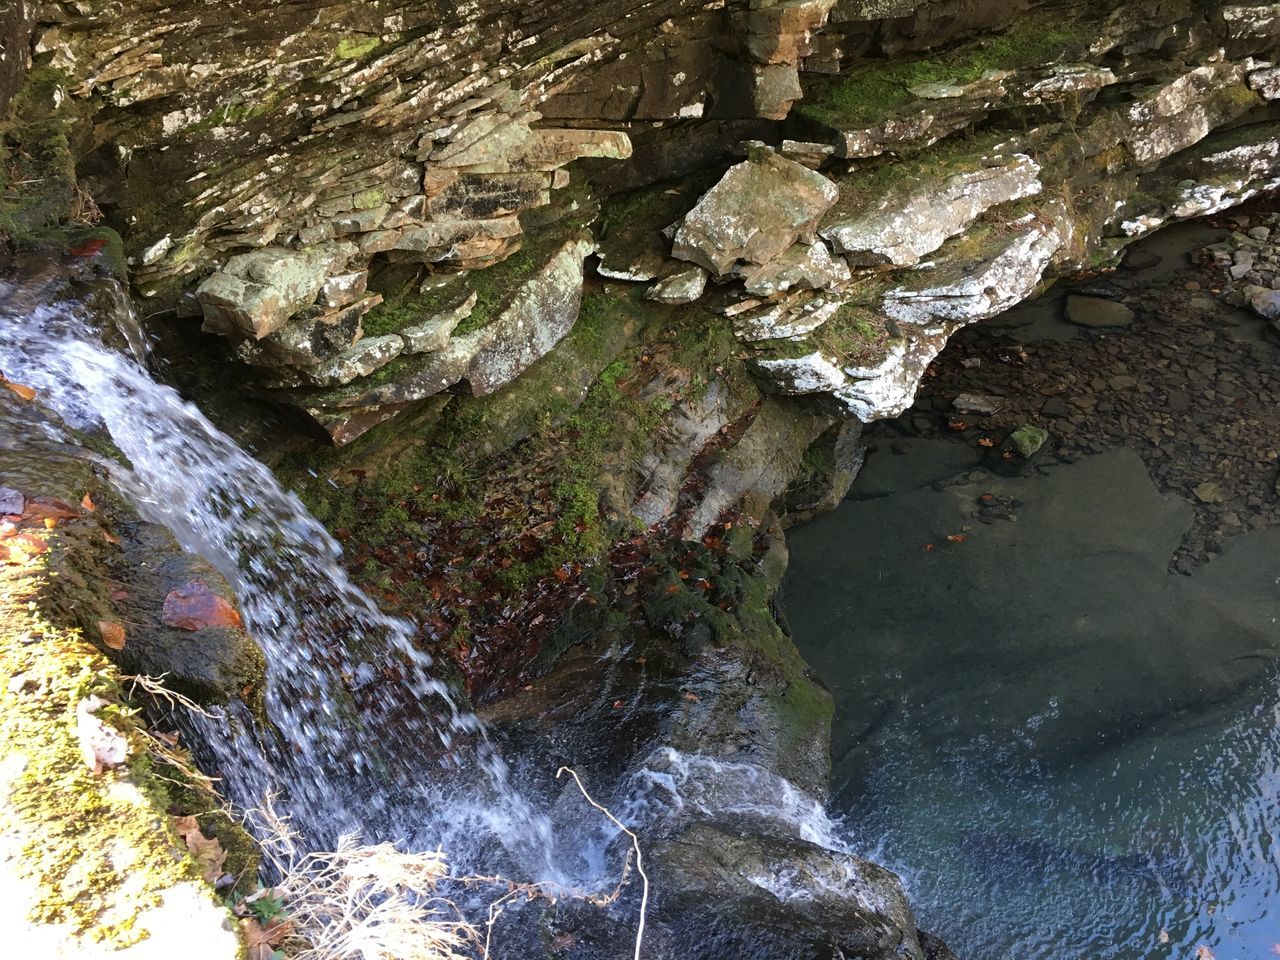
(87,249)
(194,606)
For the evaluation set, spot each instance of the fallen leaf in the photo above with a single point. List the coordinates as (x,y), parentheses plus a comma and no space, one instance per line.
(89,248)
(49,508)
(21,389)
(1203,953)
(21,547)
(207,852)
(691,696)
(928,546)
(619,704)
(110,537)
(1164,935)
(193,606)
(957,425)
(112,634)
(986,442)
(957,537)
(119,594)
(50,522)
(87,502)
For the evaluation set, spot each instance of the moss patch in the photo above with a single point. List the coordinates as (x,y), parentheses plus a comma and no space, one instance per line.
(874,92)
(94,850)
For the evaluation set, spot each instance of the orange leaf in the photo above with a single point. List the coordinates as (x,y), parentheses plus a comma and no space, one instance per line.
(928,546)
(957,425)
(986,442)
(193,606)
(957,537)
(208,853)
(691,696)
(112,634)
(87,502)
(1203,953)
(110,537)
(21,389)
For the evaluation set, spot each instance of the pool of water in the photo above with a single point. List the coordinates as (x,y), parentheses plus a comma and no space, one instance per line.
(1067,749)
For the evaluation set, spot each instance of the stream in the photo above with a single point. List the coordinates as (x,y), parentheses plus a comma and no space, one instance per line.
(1067,747)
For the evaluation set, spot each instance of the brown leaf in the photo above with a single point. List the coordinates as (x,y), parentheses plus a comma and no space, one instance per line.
(207,853)
(87,502)
(110,537)
(691,696)
(957,537)
(49,508)
(193,606)
(112,634)
(986,442)
(21,547)
(21,389)
(89,248)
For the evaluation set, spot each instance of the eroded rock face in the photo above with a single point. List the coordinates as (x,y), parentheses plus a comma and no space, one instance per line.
(757,210)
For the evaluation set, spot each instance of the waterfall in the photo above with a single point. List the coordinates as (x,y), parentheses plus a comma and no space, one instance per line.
(356,716)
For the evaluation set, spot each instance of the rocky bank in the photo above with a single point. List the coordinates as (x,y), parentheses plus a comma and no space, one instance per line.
(558,315)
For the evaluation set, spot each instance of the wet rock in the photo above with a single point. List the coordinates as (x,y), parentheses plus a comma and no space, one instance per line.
(759,896)
(757,210)
(684,286)
(12,502)
(1028,439)
(907,224)
(1086,311)
(1266,304)
(977,403)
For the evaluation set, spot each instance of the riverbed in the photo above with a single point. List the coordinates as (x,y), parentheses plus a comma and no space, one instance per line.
(1055,680)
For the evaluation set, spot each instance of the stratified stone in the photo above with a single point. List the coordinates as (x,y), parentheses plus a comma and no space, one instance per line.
(343,289)
(1086,311)
(684,286)
(314,336)
(977,403)
(908,223)
(433,333)
(757,210)
(256,293)
(359,361)
(804,266)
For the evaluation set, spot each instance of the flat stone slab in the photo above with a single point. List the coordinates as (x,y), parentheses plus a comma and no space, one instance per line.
(1086,311)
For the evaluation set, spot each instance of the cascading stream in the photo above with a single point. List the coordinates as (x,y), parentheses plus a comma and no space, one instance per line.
(342,675)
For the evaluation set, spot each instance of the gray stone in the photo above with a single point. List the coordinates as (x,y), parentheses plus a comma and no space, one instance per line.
(358,361)
(906,225)
(685,286)
(977,403)
(1266,304)
(1086,311)
(256,293)
(1260,233)
(804,266)
(12,501)
(757,210)
(312,337)
(1209,492)
(433,333)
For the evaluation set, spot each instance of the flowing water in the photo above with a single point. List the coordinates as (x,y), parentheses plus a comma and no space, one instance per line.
(364,737)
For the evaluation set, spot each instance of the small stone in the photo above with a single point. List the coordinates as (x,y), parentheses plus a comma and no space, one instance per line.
(12,502)
(1260,233)
(1028,439)
(977,403)
(1191,285)
(1209,492)
(1055,408)
(1266,304)
(685,286)
(1087,311)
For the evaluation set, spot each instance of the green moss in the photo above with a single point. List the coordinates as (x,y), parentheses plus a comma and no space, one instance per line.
(77,826)
(354,47)
(874,92)
(37,167)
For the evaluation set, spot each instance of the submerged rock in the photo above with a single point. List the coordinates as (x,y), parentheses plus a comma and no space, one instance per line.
(1085,311)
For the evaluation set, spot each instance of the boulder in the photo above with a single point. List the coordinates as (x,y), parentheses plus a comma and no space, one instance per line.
(314,336)
(1028,439)
(907,224)
(759,208)
(803,266)
(1086,311)
(256,293)
(684,286)
(433,333)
